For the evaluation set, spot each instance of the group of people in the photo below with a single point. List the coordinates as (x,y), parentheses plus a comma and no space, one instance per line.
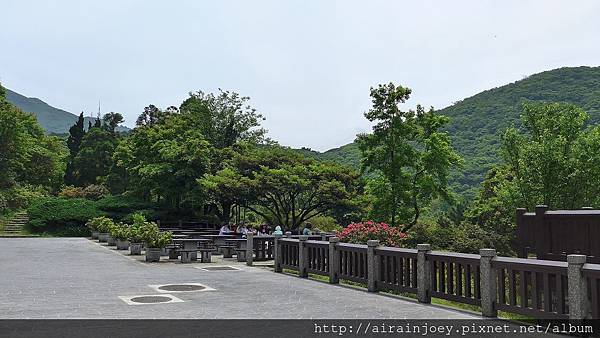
(262,230)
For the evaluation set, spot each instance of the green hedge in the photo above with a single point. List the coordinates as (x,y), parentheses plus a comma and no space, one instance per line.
(62,216)
(122,204)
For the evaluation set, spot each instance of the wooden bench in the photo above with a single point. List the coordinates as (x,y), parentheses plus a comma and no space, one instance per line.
(206,255)
(227,250)
(189,255)
(173,251)
(241,254)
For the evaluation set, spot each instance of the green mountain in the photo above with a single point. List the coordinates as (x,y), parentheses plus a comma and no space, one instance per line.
(477,122)
(53,120)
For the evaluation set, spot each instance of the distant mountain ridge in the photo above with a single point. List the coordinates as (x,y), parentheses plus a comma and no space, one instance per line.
(53,120)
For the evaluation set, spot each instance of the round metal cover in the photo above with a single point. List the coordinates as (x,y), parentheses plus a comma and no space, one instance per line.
(220,268)
(181,287)
(150,299)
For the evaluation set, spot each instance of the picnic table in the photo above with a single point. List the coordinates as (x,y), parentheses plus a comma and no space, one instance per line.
(193,234)
(211,231)
(179,231)
(218,240)
(191,246)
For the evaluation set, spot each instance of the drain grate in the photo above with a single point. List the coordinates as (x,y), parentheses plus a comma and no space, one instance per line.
(150,299)
(220,268)
(181,287)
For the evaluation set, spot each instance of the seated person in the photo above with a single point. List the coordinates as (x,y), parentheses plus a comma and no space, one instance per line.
(225,229)
(242,229)
(263,230)
(307,229)
(278,231)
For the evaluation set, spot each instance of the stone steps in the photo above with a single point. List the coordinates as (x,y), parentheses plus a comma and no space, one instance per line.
(15,225)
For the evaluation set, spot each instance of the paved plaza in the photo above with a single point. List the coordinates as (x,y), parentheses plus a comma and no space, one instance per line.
(78,278)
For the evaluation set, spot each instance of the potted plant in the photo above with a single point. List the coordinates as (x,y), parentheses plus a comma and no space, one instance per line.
(93,228)
(135,234)
(102,225)
(155,241)
(120,232)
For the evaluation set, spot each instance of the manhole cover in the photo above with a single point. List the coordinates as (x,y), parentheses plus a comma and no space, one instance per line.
(181,287)
(151,299)
(220,268)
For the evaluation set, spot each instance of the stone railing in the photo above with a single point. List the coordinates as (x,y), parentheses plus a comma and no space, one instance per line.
(536,288)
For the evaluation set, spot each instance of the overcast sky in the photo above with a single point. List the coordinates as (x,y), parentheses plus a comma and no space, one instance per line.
(307,65)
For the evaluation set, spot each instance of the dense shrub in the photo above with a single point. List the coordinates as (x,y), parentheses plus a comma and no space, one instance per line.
(19,197)
(61,215)
(92,192)
(325,224)
(95,192)
(121,208)
(71,192)
(360,233)
(440,237)
(124,204)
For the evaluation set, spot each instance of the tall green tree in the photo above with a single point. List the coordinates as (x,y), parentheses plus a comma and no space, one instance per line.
(94,158)
(409,151)
(225,118)
(554,159)
(76,134)
(281,186)
(111,121)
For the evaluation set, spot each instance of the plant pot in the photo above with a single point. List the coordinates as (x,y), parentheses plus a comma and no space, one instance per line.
(111,241)
(103,237)
(135,248)
(94,234)
(153,254)
(122,244)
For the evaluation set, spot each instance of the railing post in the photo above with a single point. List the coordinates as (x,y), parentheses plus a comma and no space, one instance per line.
(577,284)
(180,223)
(249,248)
(522,250)
(277,253)
(302,257)
(423,274)
(158,222)
(334,260)
(542,235)
(488,286)
(372,266)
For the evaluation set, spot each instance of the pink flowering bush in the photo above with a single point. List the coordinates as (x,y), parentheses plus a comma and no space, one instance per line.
(360,233)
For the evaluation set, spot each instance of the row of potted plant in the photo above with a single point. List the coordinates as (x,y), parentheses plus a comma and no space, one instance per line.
(141,233)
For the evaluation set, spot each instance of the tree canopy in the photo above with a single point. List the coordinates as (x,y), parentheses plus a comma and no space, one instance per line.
(409,152)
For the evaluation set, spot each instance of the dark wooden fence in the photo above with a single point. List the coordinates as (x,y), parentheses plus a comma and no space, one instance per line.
(531,287)
(397,269)
(552,235)
(455,277)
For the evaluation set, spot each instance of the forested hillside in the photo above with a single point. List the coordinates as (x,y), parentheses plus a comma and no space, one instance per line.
(478,121)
